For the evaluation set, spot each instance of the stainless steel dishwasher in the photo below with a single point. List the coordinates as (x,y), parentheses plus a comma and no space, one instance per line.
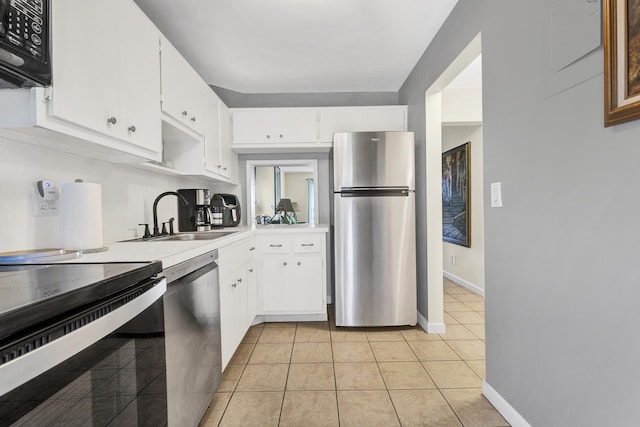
(192,338)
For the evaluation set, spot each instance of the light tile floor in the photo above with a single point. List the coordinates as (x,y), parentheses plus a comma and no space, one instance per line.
(314,374)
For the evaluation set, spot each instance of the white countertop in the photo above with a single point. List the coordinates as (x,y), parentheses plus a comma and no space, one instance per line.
(292,228)
(175,252)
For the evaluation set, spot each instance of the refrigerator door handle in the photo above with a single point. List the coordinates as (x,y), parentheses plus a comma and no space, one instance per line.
(381,192)
(343,189)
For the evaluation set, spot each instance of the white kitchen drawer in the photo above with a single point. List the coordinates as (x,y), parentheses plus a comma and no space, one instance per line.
(232,257)
(274,245)
(308,244)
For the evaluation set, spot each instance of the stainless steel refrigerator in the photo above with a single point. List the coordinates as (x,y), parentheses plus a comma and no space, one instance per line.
(374,228)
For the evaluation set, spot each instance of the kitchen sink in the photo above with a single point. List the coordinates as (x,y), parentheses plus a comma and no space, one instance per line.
(202,235)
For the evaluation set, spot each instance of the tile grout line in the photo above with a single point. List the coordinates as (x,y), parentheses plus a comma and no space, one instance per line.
(395,410)
(438,388)
(333,364)
(235,387)
(284,391)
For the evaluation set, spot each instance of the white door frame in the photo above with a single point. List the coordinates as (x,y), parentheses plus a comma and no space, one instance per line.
(433,142)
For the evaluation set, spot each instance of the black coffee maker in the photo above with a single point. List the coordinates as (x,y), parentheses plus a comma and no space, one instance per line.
(196,216)
(230,207)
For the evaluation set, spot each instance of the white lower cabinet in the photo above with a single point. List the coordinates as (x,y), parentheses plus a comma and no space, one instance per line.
(292,275)
(233,312)
(237,290)
(272,277)
(252,281)
(292,284)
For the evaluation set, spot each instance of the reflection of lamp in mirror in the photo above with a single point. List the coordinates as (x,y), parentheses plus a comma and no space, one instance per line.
(284,208)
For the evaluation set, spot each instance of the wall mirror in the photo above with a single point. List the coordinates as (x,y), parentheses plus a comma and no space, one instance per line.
(282,191)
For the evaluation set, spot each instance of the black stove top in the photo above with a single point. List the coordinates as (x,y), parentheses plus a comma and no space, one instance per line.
(30,293)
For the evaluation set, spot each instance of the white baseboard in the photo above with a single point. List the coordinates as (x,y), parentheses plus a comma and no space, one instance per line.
(507,411)
(430,327)
(460,281)
(294,317)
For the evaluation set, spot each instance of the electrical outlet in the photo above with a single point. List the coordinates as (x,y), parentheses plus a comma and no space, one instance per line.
(44,207)
(453,260)
(45,199)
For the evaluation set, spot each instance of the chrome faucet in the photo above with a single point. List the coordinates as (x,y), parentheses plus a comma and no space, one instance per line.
(156,230)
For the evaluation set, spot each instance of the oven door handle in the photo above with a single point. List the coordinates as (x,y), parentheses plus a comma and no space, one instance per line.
(28,366)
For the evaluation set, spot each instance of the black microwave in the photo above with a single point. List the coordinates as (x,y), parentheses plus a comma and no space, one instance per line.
(24,43)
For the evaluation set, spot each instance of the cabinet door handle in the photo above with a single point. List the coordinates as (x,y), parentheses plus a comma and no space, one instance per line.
(251,270)
(252,248)
(112,120)
(219,166)
(281,136)
(233,285)
(299,263)
(284,263)
(240,280)
(193,119)
(225,168)
(131,128)
(275,246)
(268,136)
(184,113)
(307,244)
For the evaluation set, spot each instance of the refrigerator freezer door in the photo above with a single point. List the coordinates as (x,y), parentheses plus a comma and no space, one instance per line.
(373,159)
(375,267)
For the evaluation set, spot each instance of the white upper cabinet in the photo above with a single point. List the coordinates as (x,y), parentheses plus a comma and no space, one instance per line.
(361,119)
(182,90)
(228,158)
(218,156)
(213,161)
(208,155)
(274,126)
(262,130)
(103,80)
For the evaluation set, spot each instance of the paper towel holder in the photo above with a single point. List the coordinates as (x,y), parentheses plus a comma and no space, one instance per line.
(100,247)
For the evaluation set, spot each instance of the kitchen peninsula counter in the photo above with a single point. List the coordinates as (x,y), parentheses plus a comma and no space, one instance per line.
(175,252)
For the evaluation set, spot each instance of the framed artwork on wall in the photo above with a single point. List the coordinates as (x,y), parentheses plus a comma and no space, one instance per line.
(456,189)
(621,27)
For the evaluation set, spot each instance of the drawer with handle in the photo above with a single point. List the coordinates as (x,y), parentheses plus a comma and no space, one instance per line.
(273,245)
(308,244)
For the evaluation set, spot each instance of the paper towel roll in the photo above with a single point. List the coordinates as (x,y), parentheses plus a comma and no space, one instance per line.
(81,216)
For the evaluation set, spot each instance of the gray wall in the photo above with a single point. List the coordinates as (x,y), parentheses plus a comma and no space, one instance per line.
(562,281)
(334,99)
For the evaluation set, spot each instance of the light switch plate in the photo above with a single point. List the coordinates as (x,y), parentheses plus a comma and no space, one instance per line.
(496,194)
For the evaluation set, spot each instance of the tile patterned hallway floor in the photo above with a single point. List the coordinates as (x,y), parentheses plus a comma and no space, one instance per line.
(314,374)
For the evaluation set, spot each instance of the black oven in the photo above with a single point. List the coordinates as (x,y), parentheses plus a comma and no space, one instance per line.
(24,43)
(119,344)
(63,360)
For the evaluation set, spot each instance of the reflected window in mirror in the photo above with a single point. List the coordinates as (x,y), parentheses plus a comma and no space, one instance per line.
(283,192)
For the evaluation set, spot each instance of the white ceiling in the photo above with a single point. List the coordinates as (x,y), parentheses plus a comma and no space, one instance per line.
(281,46)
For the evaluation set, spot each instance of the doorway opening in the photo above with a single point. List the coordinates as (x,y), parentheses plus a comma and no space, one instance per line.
(448,126)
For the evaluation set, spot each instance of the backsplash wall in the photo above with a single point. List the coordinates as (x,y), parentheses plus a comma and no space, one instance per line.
(127,194)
